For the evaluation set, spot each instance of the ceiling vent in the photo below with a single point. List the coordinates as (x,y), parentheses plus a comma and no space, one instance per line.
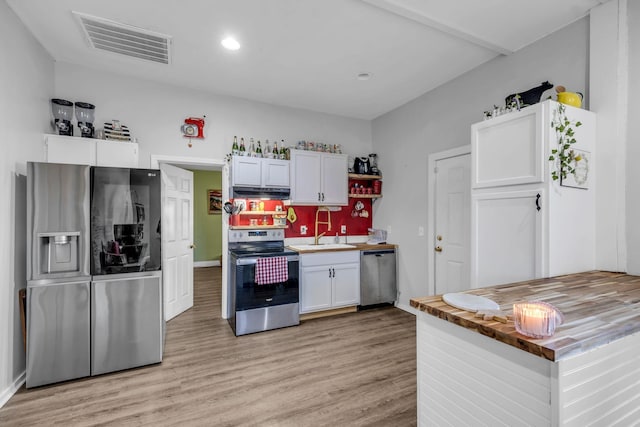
(125,39)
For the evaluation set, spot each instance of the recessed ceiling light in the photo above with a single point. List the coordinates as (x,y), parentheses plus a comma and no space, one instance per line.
(230,43)
(364,76)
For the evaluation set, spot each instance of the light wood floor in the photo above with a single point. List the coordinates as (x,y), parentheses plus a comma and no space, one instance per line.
(347,370)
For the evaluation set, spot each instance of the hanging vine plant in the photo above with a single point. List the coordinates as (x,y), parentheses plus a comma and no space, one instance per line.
(563,156)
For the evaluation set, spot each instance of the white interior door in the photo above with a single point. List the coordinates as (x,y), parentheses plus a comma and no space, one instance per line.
(177,239)
(452,224)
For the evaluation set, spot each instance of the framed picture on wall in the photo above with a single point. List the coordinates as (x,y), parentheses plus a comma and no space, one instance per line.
(215,201)
(580,176)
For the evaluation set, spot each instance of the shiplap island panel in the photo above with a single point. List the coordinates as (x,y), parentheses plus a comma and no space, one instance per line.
(472,371)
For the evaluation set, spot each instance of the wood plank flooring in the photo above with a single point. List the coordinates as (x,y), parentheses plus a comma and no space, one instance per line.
(354,369)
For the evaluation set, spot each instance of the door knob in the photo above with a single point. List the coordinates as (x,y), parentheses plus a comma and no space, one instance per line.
(438,248)
(191,246)
(439,238)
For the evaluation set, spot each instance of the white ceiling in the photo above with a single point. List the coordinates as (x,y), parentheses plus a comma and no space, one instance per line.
(307,53)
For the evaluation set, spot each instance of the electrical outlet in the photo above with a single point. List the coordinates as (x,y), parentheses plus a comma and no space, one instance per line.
(420,231)
(303,229)
(343,229)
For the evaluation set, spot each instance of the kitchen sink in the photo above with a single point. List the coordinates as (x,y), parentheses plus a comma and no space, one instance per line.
(321,247)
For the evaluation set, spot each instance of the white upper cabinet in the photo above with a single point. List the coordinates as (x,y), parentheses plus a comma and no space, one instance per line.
(246,171)
(319,178)
(508,150)
(92,152)
(116,154)
(275,173)
(259,172)
(514,149)
(70,150)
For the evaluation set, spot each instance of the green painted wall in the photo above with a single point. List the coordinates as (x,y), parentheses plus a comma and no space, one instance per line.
(207,229)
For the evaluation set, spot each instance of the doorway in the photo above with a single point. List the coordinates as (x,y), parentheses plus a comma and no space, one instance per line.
(194,163)
(449,201)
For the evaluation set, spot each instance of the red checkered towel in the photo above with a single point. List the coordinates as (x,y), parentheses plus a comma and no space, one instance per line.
(271,270)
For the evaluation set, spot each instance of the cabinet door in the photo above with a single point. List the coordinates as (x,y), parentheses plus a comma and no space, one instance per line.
(70,150)
(346,284)
(305,177)
(246,171)
(508,150)
(275,173)
(117,154)
(506,238)
(315,288)
(335,180)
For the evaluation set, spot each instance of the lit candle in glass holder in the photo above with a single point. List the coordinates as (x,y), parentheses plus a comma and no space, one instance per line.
(536,319)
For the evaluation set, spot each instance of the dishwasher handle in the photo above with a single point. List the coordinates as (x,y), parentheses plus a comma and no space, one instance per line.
(379,252)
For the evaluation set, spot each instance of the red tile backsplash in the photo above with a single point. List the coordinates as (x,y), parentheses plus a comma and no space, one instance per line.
(356,225)
(305,215)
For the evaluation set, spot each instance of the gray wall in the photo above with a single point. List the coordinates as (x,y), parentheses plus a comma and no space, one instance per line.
(441,119)
(154,112)
(26,85)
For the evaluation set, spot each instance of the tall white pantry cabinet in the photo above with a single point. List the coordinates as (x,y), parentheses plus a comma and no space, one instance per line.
(524,225)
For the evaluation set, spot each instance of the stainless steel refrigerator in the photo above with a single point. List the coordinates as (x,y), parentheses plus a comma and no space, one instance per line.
(94,293)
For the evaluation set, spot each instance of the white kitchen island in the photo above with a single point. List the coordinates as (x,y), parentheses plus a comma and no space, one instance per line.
(476,372)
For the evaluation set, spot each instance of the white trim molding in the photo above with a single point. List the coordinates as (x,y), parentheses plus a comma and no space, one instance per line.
(212,263)
(12,389)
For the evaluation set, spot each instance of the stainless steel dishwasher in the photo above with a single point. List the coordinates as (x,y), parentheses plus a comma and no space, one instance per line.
(378,276)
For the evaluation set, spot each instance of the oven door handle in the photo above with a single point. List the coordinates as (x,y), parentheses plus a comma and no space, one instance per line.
(251,261)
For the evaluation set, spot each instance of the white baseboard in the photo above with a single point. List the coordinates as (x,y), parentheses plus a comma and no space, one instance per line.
(199,264)
(11,390)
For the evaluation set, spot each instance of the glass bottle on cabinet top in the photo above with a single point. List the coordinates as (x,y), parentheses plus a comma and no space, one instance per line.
(235,149)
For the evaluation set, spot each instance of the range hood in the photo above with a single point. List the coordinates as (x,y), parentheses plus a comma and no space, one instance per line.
(241,192)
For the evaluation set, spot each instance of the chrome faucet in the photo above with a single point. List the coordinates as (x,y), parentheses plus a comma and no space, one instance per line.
(327,222)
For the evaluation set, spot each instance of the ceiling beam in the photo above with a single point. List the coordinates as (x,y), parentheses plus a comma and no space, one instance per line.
(395,7)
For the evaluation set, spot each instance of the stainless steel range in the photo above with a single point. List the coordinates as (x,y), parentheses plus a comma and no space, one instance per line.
(257,304)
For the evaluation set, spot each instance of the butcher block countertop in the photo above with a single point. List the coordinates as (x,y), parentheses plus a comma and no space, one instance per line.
(356,247)
(598,308)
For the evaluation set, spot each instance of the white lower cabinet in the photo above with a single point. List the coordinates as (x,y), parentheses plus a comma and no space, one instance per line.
(507,229)
(329,280)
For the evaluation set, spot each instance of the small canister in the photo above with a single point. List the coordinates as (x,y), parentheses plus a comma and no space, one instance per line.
(253,205)
(377,186)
